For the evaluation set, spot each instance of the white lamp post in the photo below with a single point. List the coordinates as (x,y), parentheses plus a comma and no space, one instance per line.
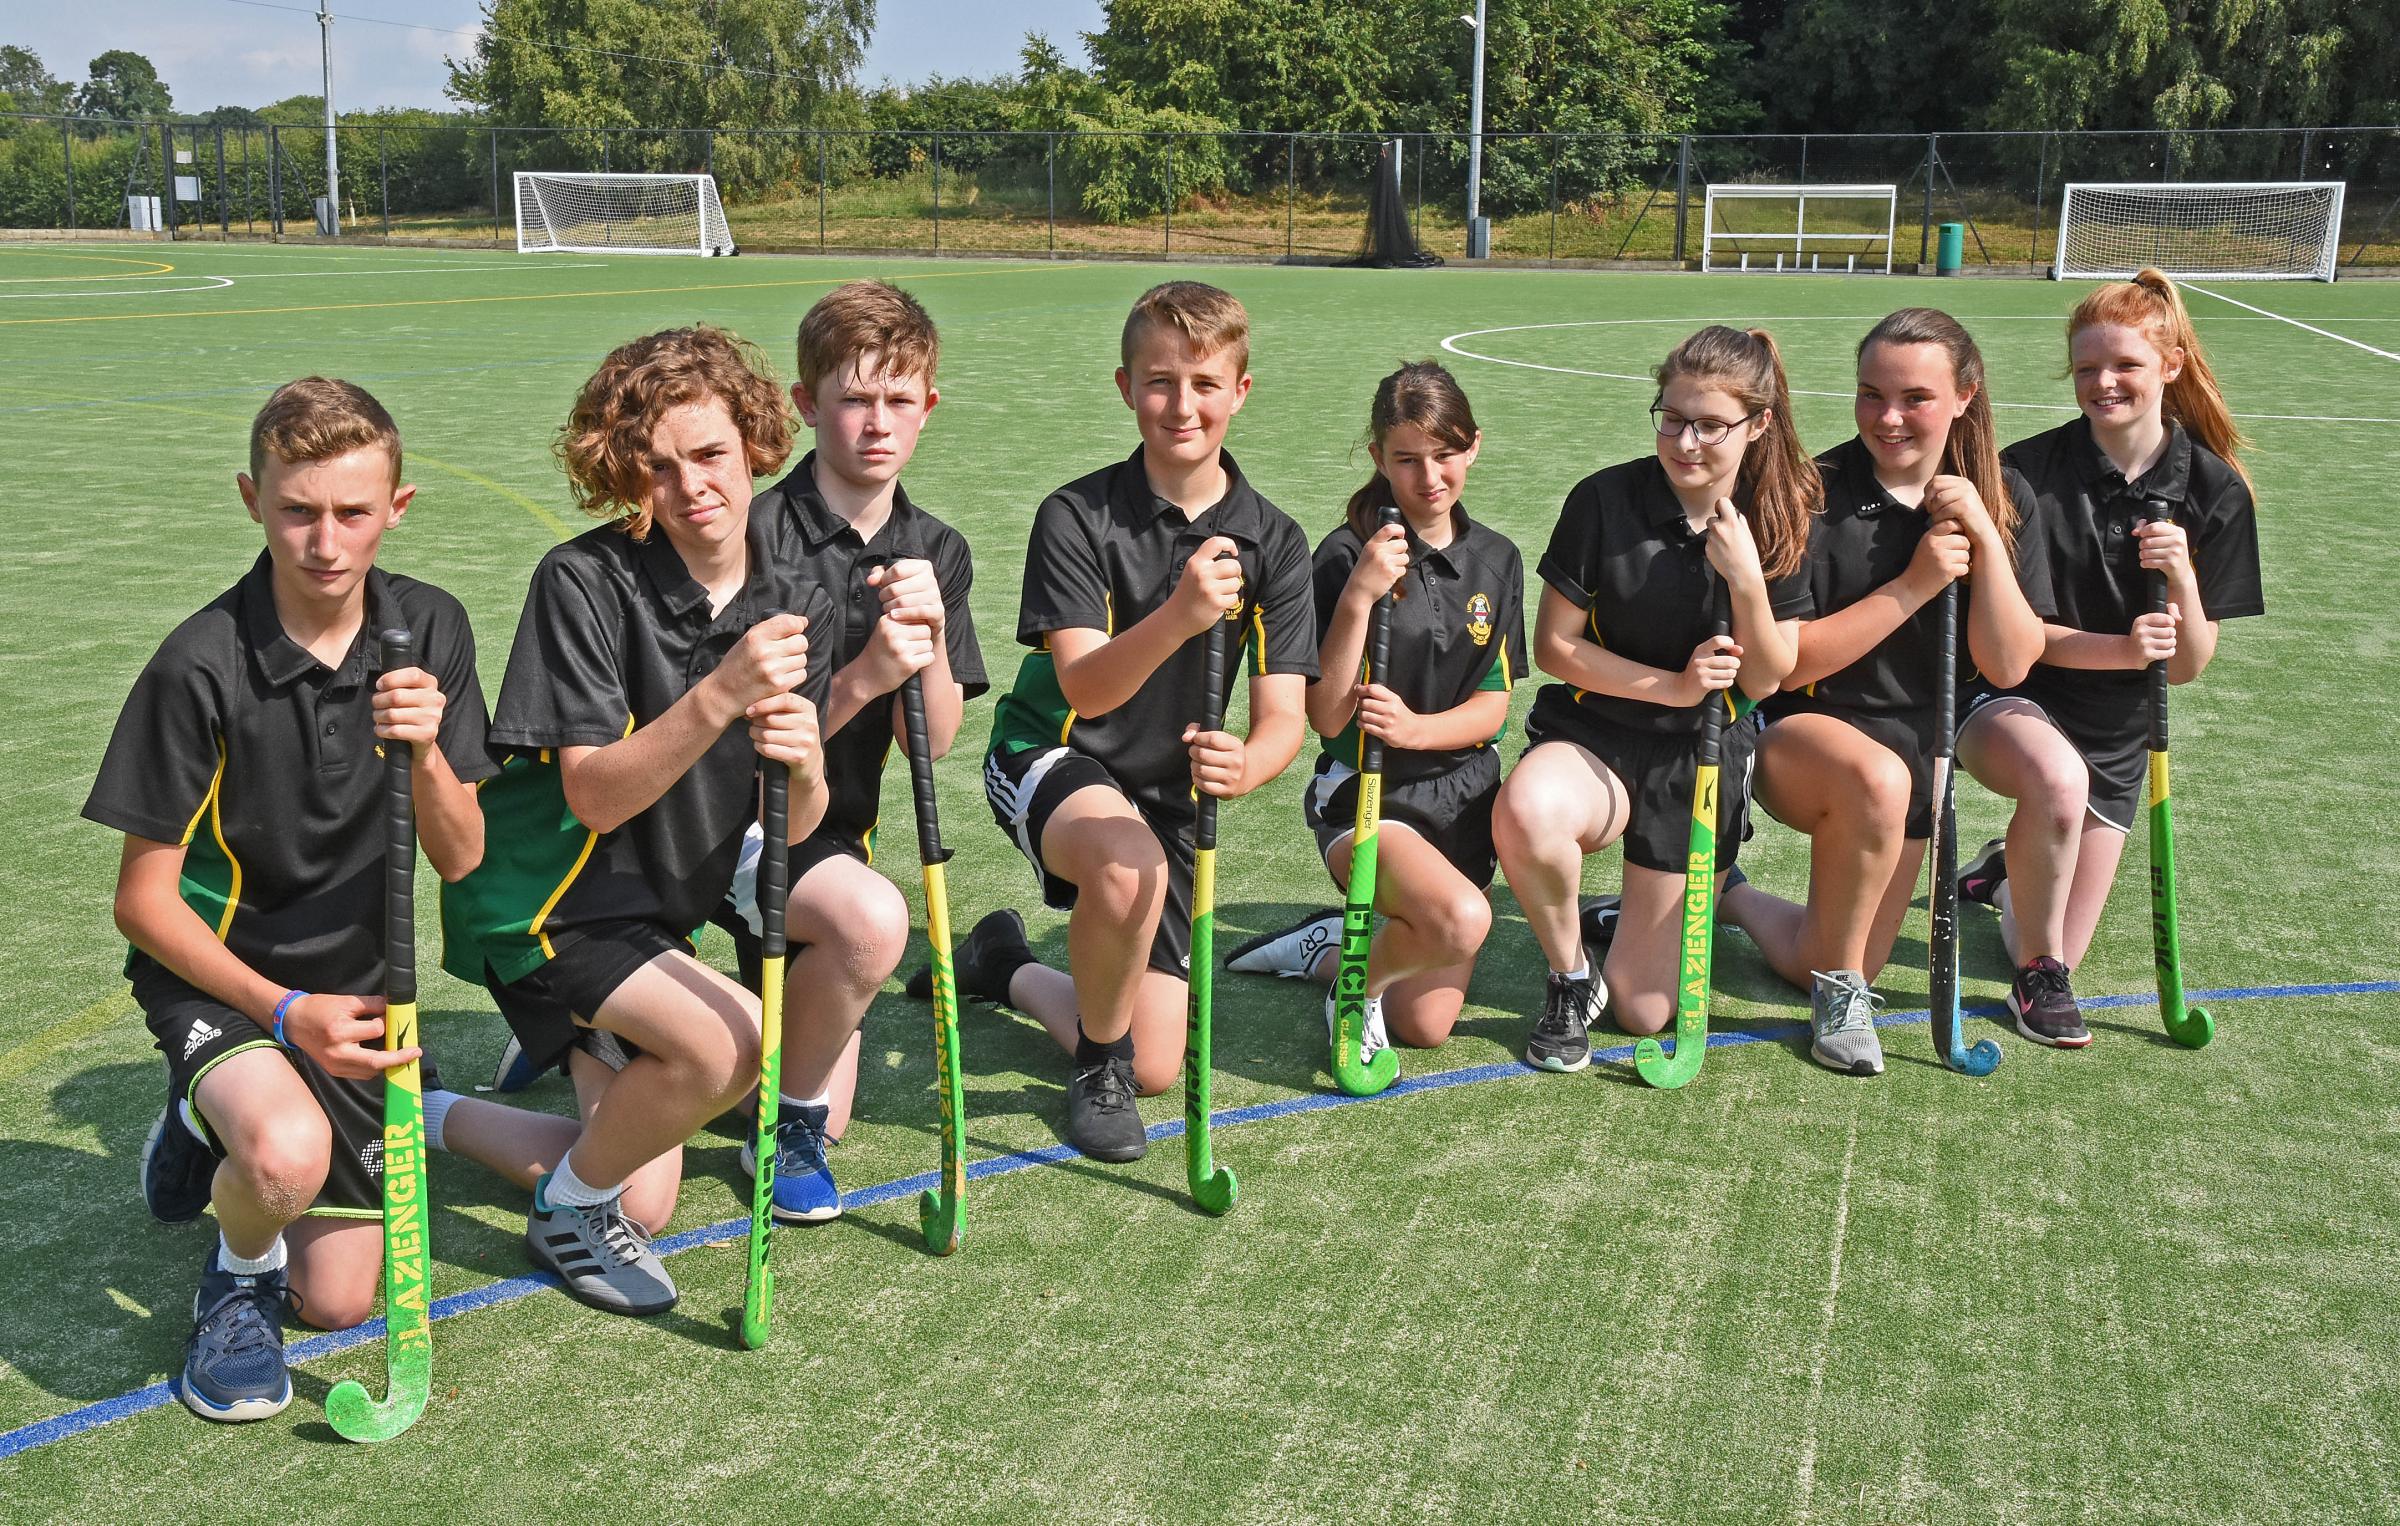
(1475,136)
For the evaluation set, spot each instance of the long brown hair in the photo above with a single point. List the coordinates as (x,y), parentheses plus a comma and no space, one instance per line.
(2150,303)
(1777,477)
(1972,449)
(1422,393)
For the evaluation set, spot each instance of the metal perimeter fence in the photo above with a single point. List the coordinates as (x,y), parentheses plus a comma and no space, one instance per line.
(1551,198)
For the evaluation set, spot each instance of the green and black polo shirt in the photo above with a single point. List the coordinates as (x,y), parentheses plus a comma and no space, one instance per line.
(1457,627)
(832,553)
(615,631)
(1627,556)
(1106,553)
(262,761)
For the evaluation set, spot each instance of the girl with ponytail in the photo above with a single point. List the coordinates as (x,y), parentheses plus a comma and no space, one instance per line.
(1650,561)
(1914,502)
(1457,645)
(2147,480)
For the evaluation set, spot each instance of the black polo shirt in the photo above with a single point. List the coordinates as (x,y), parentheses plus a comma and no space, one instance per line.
(1106,552)
(2087,511)
(614,632)
(1864,539)
(1457,627)
(1625,554)
(830,550)
(263,763)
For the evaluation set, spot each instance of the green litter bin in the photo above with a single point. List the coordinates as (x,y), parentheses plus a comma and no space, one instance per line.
(1951,250)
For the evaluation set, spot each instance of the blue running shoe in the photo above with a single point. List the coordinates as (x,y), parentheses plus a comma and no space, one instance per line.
(178,1172)
(233,1365)
(804,1188)
(513,1074)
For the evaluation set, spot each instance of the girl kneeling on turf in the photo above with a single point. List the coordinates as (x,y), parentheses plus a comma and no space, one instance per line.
(2148,480)
(1457,634)
(1648,559)
(1916,500)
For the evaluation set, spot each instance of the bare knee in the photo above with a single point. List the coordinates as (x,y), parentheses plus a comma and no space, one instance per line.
(1130,881)
(2059,787)
(285,1158)
(1457,923)
(1642,1013)
(1156,1070)
(714,1057)
(333,1308)
(869,929)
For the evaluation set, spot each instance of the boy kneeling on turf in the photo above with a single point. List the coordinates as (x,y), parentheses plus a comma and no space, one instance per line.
(900,577)
(245,775)
(1096,753)
(629,784)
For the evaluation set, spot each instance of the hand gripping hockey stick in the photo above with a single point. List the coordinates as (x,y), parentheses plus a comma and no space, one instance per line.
(942,1209)
(774,870)
(1358,909)
(1942,948)
(2187,1025)
(1213,1186)
(1651,1059)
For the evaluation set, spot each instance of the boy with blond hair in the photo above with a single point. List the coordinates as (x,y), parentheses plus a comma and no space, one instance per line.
(1096,755)
(245,777)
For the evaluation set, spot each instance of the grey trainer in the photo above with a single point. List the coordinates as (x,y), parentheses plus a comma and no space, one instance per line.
(602,1256)
(1841,1018)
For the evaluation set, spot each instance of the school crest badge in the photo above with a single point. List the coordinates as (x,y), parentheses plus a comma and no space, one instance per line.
(1479,619)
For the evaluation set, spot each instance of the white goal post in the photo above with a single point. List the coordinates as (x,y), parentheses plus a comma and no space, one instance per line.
(2234,230)
(620,214)
(1845,228)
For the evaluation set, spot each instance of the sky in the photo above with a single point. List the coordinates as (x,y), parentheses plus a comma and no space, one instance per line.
(254,52)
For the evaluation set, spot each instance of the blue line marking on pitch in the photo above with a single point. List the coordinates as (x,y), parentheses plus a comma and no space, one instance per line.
(142,1400)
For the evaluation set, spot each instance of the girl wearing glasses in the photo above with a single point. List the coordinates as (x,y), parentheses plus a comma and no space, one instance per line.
(2147,481)
(1651,561)
(1916,501)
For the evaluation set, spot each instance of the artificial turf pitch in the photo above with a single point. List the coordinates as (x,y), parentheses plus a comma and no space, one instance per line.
(2135,1283)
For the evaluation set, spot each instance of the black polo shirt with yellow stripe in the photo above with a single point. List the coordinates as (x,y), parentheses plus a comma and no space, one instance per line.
(1105,554)
(615,631)
(2087,511)
(1864,539)
(1625,554)
(262,761)
(1457,628)
(832,553)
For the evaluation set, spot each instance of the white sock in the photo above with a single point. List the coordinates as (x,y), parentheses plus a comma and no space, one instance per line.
(820,1101)
(272,1261)
(568,1190)
(1582,971)
(437,1108)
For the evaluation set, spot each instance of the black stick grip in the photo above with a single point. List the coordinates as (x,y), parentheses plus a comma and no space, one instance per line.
(2157,509)
(1945,683)
(1716,704)
(920,771)
(1379,653)
(399,846)
(1212,718)
(774,855)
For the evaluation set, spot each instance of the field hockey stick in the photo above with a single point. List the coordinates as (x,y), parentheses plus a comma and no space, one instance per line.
(1942,900)
(407,1338)
(774,868)
(1650,1058)
(941,1210)
(2187,1025)
(1358,908)
(1213,1186)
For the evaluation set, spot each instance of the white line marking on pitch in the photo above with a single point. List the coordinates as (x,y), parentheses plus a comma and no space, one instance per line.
(2296,323)
(1451,344)
(1833,1296)
(219,283)
(216,283)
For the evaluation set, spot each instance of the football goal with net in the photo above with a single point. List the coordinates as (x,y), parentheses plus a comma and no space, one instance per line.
(2245,230)
(620,214)
(1838,228)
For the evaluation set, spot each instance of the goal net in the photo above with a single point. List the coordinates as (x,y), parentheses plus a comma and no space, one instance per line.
(1798,227)
(620,214)
(1389,241)
(2266,230)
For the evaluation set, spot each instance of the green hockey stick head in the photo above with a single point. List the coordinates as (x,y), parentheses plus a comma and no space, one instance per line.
(2193,1029)
(1367,1080)
(1667,1069)
(356,1415)
(1214,1189)
(943,1217)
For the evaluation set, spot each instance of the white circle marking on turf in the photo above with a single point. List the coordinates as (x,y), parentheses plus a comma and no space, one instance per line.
(219,283)
(215,283)
(1451,344)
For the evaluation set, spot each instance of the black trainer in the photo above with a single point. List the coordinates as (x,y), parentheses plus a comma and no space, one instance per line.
(993,950)
(233,1367)
(1599,927)
(1562,1039)
(179,1175)
(1102,1120)
(1980,880)
(2043,1002)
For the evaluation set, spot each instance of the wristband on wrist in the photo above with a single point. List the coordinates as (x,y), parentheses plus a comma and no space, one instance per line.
(283,1008)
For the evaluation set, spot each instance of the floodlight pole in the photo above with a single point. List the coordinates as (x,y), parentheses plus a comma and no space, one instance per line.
(333,165)
(1475,121)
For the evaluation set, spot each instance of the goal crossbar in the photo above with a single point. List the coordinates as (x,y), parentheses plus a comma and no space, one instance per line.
(619,213)
(2226,230)
(1845,244)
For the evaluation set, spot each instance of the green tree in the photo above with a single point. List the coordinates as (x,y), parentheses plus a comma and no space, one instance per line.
(26,86)
(124,85)
(2189,63)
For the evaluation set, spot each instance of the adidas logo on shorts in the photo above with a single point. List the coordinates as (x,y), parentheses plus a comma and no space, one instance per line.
(202,1032)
